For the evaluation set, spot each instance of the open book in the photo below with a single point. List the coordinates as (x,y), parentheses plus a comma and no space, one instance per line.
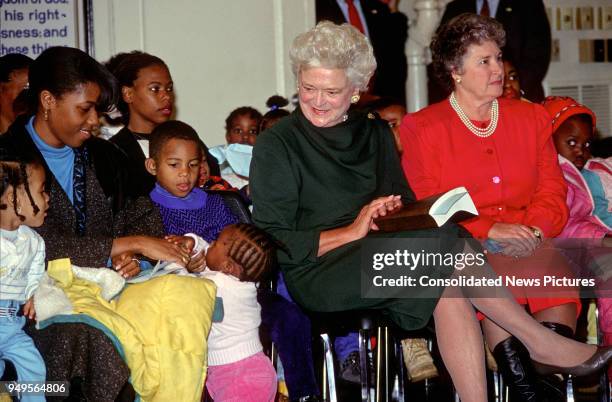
(455,205)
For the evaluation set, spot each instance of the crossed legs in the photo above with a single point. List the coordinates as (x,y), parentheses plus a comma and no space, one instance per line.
(461,344)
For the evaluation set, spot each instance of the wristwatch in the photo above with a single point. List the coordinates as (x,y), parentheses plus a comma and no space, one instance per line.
(537,233)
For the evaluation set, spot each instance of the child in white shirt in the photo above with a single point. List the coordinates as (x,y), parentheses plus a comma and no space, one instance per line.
(240,257)
(23,204)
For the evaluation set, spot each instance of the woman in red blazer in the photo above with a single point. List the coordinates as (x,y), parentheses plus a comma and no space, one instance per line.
(502,152)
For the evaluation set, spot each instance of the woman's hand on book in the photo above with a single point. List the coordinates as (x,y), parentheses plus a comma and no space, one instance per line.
(363,223)
(379,207)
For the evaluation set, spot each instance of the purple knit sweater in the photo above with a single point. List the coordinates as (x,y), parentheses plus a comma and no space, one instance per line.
(199,212)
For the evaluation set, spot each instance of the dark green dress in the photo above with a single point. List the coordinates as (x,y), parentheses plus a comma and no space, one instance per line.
(304,180)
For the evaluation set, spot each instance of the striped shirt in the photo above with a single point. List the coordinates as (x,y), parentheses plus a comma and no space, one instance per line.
(22,263)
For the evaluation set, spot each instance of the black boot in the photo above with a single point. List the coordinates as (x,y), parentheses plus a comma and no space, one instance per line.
(553,388)
(514,365)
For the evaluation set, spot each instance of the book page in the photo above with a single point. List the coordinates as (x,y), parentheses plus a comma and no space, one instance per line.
(445,206)
(453,201)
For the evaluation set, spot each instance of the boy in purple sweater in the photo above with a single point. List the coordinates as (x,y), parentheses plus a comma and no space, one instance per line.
(175,154)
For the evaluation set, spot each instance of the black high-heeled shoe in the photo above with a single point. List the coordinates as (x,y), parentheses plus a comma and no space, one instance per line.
(516,369)
(599,361)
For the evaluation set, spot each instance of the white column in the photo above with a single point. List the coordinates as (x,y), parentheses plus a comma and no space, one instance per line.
(290,20)
(426,15)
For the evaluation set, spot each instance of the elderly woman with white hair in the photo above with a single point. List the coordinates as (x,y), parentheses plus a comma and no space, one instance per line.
(322,175)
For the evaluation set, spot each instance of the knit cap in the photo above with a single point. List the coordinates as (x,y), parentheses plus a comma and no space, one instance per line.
(561,108)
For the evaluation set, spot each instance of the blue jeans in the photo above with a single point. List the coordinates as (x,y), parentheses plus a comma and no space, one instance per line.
(19,349)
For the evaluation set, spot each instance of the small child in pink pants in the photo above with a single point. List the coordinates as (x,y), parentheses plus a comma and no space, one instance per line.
(238,371)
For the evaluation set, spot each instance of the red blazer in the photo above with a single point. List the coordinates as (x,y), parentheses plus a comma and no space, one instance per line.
(513,176)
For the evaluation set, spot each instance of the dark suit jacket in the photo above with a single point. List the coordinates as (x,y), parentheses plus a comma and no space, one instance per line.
(388,34)
(528,39)
(140,182)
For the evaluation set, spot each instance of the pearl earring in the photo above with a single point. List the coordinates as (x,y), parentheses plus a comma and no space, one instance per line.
(46,114)
(355,99)
(458,80)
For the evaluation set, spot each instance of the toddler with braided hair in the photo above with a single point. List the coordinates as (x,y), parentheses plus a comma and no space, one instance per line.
(241,256)
(23,206)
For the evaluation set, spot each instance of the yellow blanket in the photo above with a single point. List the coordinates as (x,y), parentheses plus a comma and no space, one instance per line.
(162,325)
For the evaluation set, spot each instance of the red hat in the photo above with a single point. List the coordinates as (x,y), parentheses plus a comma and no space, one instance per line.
(562,108)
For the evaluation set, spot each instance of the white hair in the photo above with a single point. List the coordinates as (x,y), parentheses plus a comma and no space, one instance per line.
(334,46)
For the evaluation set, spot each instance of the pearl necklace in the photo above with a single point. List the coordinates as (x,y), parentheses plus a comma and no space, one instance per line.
(480,132)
